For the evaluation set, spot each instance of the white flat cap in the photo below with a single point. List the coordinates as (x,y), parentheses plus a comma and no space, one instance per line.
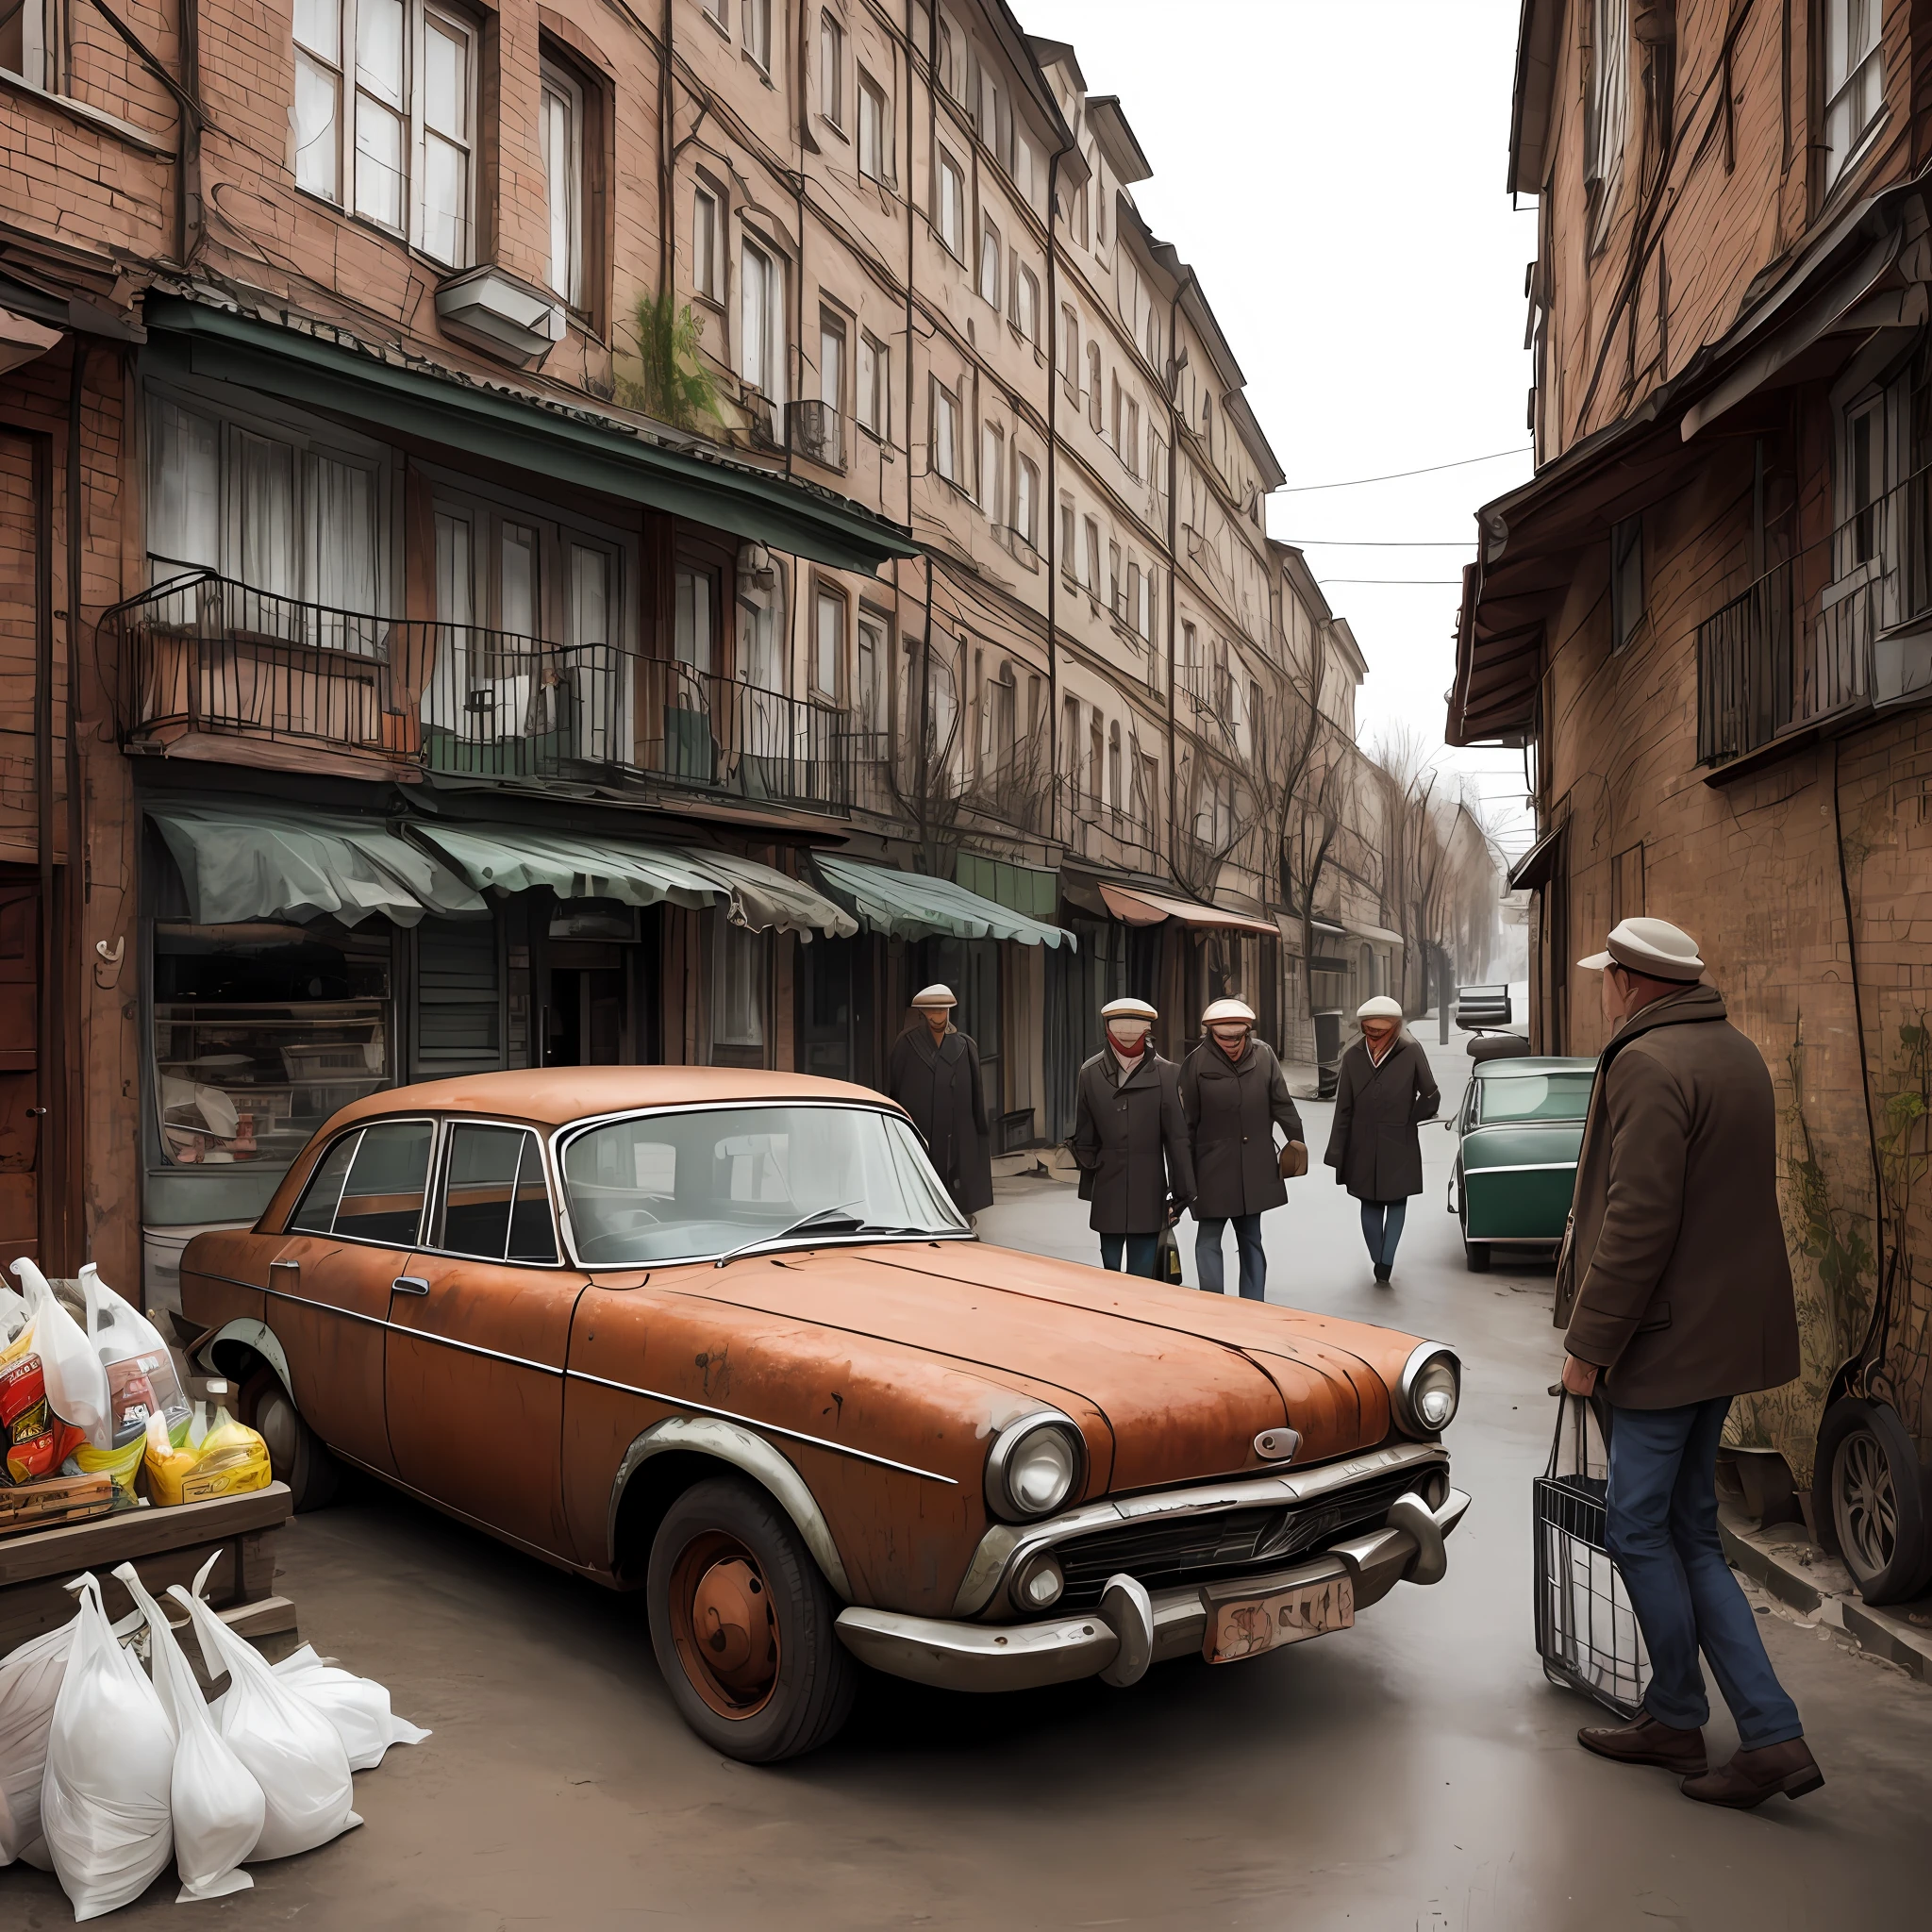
(1651,946)
(1380,1007)
(1128,1009)
(934,995)
(1227,1013)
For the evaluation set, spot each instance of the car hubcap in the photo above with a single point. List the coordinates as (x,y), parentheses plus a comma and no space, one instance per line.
(724,1624)
(1867,1507)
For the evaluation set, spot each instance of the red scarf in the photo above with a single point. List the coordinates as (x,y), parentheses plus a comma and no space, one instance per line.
(1120,1046)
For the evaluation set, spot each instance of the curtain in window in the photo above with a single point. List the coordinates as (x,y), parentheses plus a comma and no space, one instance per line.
(339,535)
(265,491)
(184,487)
(738,1017)
(380,106)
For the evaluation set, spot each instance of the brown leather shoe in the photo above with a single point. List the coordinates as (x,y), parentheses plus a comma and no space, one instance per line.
(1753,1777)
(1647,1742)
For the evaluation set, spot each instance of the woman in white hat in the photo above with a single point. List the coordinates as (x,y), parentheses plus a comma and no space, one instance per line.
(1235,1094)
(933,1072)
(1383,1093)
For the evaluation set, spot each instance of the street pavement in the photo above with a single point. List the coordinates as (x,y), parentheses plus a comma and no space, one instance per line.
(1416,1771)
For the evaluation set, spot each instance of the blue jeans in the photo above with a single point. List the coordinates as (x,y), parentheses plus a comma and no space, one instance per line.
(1141,1251)
(1663,1533)
(1247,1242)
(1382,1228)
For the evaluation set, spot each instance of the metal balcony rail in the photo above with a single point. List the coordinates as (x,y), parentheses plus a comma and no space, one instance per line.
(1823,632)
(204,652)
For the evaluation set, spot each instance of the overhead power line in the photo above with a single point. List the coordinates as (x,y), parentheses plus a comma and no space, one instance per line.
(1388,580)
(1380,542)
(1397,475)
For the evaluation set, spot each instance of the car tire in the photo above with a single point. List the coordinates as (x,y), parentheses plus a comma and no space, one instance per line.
(1874,1516)
(296,1454)
(1477,1255)
(743,1624)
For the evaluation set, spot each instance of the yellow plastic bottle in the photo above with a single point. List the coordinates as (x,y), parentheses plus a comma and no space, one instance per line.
(232,1459)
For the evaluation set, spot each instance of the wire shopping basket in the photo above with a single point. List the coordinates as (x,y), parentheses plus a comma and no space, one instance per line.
(1586,1631)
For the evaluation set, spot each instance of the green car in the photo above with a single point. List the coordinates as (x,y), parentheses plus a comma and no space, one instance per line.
(1522,1129)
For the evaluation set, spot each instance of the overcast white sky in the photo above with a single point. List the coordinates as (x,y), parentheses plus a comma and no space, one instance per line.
(1334,171)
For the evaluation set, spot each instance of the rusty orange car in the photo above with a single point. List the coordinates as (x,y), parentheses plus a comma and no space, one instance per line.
(722,1336)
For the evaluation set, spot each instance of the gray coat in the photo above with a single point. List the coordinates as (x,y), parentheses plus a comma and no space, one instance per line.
(939,1086)
(1233,1108)
(1674,1276)
(1373,1147)
(1131,1142)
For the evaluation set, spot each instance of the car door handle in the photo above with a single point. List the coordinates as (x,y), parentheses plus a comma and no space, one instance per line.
(409,1284)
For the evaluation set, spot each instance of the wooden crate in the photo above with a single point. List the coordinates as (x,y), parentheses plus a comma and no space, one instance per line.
(166,1546)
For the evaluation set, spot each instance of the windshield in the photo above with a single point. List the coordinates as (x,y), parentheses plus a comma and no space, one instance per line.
(1536,1097)
(682,1187)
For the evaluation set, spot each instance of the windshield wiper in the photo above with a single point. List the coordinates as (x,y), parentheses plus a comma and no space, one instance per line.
(839,1220)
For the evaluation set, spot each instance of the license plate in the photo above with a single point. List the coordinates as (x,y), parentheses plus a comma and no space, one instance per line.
(1240,1627)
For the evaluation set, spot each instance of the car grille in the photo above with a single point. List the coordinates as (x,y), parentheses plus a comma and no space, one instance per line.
(1191,1549)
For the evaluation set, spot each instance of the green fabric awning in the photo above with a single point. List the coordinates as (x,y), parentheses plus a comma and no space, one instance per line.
(556,443)
(762,897)
(260,861)
(1028,888)
(514,859)
(909,906)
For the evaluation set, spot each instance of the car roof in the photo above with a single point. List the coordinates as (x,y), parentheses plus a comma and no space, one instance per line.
(1525,1064)
(553,1096)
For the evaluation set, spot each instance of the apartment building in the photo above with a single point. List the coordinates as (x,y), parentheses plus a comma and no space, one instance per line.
(1706,620)
(545,536)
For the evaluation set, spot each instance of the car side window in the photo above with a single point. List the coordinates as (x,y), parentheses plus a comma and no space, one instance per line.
(382,1199)
(315,1213)
(495,1203)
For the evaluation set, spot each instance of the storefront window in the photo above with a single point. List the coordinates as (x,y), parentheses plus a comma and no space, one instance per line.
(741,969)
(261,1032)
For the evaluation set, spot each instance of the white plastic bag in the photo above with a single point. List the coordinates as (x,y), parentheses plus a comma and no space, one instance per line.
(284,1740)
(357,1706)
(217,1803)
(12,1314)
(110,1760)
(77,1383)
(29,1683)
(142,1379)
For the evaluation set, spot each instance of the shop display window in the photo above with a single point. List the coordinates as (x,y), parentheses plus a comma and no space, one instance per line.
(261,1032)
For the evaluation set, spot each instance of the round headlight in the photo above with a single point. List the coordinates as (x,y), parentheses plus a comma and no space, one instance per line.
(1430,1389)
(1033,1467)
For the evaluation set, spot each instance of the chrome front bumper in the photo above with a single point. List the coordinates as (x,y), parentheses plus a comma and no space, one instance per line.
(1132,1628)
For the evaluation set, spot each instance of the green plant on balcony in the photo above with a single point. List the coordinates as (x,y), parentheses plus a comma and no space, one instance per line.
(671,382)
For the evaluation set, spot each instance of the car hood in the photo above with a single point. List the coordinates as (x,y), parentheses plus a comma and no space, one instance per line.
(1183,1381)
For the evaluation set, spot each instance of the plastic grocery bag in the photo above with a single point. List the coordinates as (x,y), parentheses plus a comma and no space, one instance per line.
(30,1682)
(142,1379)
(357,1706)
(284,1740)
(104,1802)
(77,1383)
(218,1804)
(12,1314)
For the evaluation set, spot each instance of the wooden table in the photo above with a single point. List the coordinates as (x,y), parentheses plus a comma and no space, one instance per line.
(166,1546)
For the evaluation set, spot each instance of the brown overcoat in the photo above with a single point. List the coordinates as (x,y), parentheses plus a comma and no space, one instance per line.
(1131,1142)
(939,1086)
(1674,1276)
(1233,1107)
(1373,1146)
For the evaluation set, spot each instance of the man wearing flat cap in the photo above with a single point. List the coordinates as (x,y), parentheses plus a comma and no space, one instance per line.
(1384,1091)
(1674,1292)
(933,1072)
(1129,1139)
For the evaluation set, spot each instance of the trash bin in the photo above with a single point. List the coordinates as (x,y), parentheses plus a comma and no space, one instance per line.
(1327,1052)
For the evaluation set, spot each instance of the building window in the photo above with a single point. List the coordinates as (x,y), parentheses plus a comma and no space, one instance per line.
(945,432)
(874,130)
(1070,556)
(1132,605)
(992,473)
(1077,220)
(1025,499)
(706,258)
(1070,352)
(869,692)
(951,211)
(1026,303)
(1069,747)
(1853,79)
(1090,574)
(1096,401)
(1609,101)
(691,639)
(988,263)
(563,180)
(829,654)
(762,343)
(740,970)
(832,386)
(715,12)
(318,88)
(757,32)
(1113,766)
(874,388)
(832,70)
(1626,580)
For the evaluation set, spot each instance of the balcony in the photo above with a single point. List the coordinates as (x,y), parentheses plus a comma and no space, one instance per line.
(1843,627)
(215,670)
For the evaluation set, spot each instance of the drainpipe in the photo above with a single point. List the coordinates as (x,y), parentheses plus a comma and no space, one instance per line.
(46,1034)
(1053,494)
(667,160)
(188,165)
(1173,456)
(73,1121)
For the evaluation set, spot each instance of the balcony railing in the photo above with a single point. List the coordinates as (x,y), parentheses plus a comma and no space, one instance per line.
(1844,625)
(204,654)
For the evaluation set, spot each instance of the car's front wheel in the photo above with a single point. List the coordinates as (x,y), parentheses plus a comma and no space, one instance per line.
(743,1622)
(295,1453)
